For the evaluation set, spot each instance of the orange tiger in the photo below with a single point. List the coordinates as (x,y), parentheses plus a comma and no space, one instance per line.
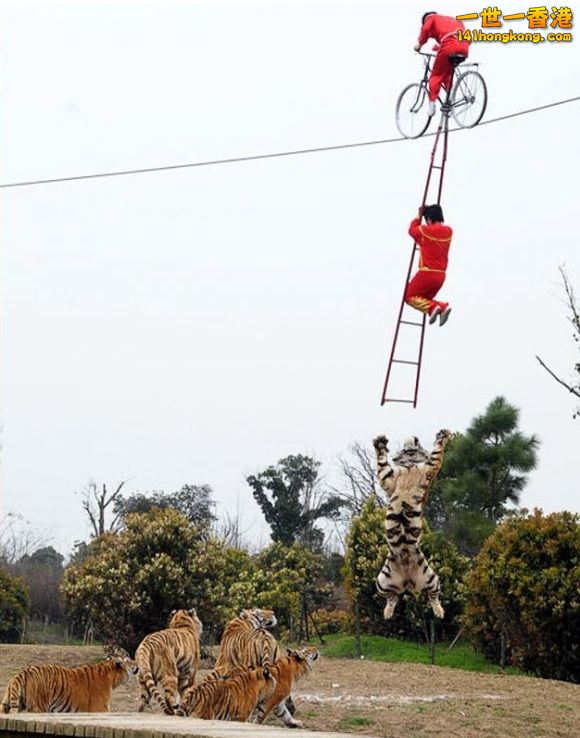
(56,688)
(286,671)
(247,642)
(229,698)
(169,658)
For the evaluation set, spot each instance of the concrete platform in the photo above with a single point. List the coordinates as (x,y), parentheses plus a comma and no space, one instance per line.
(138,725)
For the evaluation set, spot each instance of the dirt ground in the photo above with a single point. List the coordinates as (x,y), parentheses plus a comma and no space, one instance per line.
(390,700)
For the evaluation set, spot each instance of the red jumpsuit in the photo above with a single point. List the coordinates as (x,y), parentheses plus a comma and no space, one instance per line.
(444,30)
(433,241)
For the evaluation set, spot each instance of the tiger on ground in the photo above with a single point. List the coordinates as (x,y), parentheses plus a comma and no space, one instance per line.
(286,671)
(247,642)
(233,697)
(56,688)
(407,482)
(169,659)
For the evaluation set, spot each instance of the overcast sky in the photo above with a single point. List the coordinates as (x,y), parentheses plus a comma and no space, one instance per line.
(197,325)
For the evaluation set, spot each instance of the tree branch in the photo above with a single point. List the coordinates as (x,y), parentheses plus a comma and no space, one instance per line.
(575,391)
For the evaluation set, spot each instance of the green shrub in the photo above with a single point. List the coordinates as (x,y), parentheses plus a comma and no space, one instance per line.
(525,583)
(332,621)
(13,607)
(129,582)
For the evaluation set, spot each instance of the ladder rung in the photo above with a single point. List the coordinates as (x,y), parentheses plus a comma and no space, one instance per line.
(436,166)
(391,399)
(402,361)
(411,322)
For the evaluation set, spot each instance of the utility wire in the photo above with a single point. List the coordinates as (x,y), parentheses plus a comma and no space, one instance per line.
(274,155)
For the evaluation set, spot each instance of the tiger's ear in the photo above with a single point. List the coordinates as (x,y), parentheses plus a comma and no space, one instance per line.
(172,613)
(192,612)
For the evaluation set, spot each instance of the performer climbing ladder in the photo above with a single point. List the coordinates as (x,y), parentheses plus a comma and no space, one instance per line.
(466,100)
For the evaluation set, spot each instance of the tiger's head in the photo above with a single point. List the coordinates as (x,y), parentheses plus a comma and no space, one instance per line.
(185,619)
(411,454)
(264,619)
(304,656)
(122,661)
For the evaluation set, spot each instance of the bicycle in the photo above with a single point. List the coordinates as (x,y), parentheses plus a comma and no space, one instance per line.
(467,102)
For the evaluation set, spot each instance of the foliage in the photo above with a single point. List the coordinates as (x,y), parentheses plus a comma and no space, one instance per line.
(483,471)
(526,583)
(130,581)
(292,502)
(194,501)
(332,621)
(42,571)
(365,553)
(13,607)
(395,650)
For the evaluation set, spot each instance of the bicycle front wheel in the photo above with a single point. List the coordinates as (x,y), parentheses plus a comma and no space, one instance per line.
(412,111)
(469,99)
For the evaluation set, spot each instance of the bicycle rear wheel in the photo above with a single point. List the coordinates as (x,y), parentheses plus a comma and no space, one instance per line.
(469,99)
(412,111)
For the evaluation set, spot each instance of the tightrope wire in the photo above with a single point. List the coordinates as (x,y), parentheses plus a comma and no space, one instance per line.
(274,155)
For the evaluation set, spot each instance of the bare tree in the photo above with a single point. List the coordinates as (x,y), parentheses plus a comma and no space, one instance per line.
(230,529)
(358,478)
(573,386)
(18,539)
(95,503)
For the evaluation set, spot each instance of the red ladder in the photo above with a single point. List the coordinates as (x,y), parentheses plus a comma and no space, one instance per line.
(441,134)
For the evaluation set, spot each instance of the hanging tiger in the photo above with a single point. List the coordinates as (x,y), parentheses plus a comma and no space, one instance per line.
(407,482)
(286,671)
(169,659)
(233,697)
(56,688)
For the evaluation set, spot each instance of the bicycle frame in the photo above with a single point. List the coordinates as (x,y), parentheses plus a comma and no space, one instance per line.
(424,82)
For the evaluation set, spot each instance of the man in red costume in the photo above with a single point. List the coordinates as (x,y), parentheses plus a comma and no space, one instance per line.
(433,240)
(443,29)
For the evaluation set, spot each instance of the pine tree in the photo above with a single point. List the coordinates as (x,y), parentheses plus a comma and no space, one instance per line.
(484,471)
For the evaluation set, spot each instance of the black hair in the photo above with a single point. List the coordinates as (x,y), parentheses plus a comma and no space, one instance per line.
(434,213)
(430,12)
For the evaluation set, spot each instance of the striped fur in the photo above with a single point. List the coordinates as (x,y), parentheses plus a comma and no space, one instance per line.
(247,642)
(56,688)
(229,698)
(407,483)
(168,661)
(286,671)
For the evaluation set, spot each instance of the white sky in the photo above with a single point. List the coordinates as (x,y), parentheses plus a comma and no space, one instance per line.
(196,326)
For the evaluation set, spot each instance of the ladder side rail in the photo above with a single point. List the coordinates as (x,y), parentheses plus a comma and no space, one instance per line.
(399,320)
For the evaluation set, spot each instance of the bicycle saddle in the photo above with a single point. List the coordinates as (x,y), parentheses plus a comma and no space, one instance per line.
(456,59)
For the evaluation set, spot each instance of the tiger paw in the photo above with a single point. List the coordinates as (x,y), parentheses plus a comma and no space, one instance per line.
(380,443)
(295,724)
(444,436)
(438,611)
(388,612)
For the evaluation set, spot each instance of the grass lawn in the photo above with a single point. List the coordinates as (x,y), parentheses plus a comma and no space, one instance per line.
(378,648)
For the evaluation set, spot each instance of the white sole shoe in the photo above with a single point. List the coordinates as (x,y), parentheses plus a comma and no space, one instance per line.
(432,108)
(444,315)
(434,314)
